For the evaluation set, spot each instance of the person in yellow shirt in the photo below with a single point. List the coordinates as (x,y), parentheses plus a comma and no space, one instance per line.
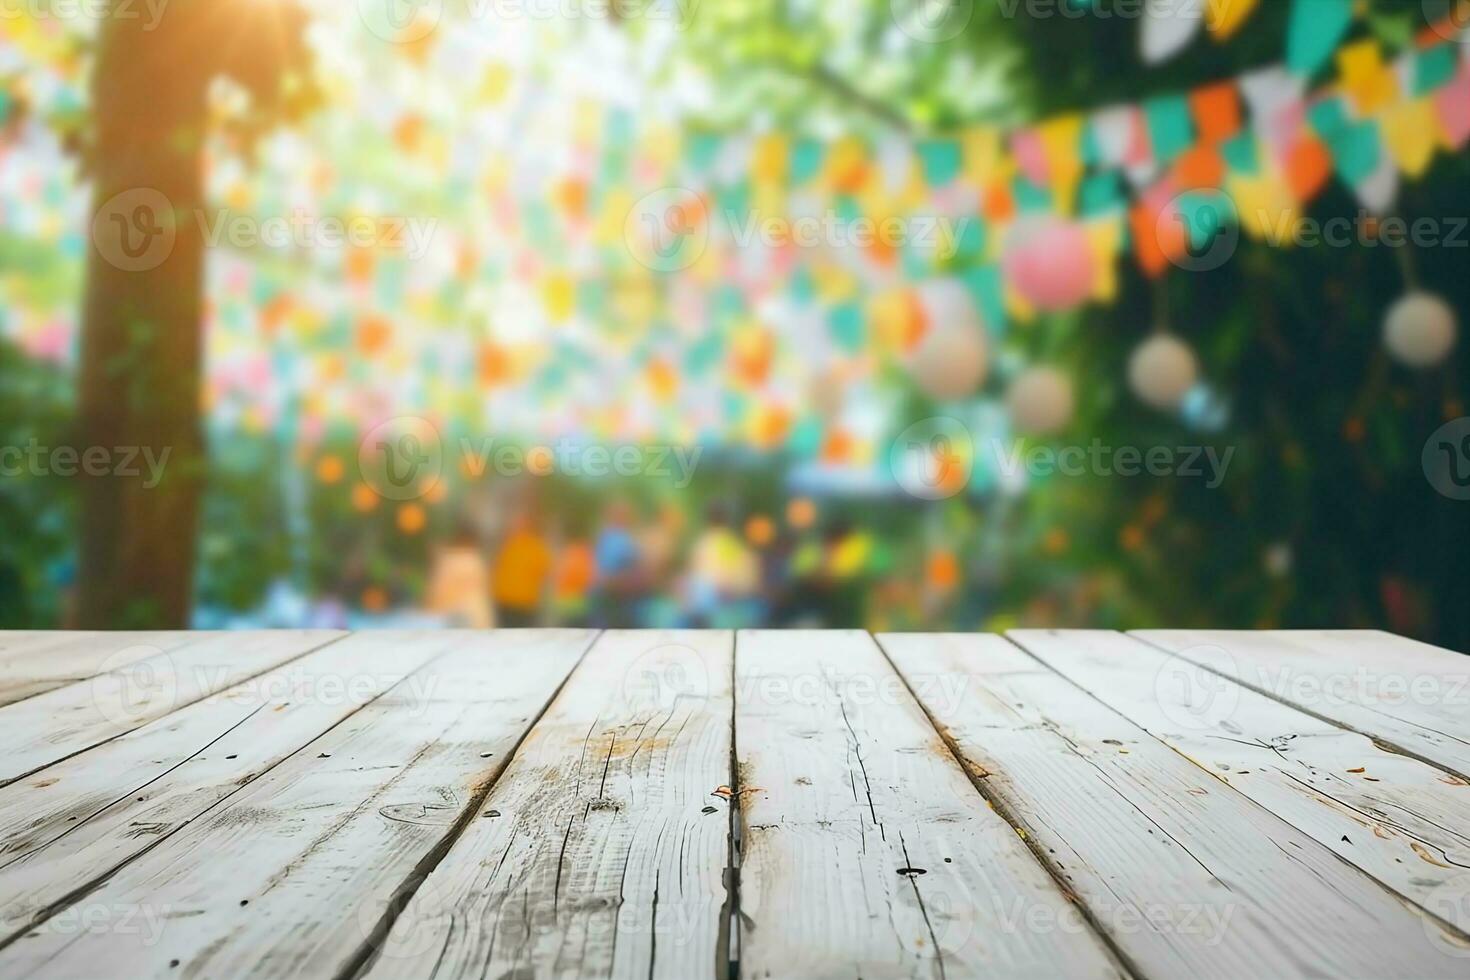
(521,570)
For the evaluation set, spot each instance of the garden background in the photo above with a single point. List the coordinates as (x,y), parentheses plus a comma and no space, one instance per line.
(735,313)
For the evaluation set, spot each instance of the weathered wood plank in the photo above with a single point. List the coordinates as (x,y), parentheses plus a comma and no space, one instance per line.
(1402,821)
(1187,876)
(49,727)
(34,663)
(15,642)
(84,817)
(866,850)
(292,875)
(602,849)
(1411,695)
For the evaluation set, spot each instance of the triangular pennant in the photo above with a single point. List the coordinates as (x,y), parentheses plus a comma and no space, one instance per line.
(1410,130)
(1314,29)
(1453,103)
(1168,27)
(1224,17)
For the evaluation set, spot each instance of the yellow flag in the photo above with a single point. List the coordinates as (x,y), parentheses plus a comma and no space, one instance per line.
(1265,207)
(495,86)
(661,146)
(983,155)
(1061,142)
(617,205)
(1224,17)
(1105,239)
(1365,79)
(559,296)
(770,159)
(1411,130)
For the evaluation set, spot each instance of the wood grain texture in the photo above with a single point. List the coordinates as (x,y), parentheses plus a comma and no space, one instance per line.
(49,727)
(602,849)
(1402,821)
(866,850)
(34,663)
(84,817)
(1187,876)
(1411,695)
(293,875)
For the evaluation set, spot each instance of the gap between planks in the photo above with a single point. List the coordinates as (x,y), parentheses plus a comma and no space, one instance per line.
(1406,728)
(296,778)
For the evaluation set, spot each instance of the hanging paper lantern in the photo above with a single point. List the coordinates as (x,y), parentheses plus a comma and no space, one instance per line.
(1162,370)
(951,362)
(1420,330)
(952,358)
(1040,400)
(1050,263)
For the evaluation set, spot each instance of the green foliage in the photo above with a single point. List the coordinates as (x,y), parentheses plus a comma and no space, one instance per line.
(37,510)
(1326,517)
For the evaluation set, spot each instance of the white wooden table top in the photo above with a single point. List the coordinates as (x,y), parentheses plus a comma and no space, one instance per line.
(563,803)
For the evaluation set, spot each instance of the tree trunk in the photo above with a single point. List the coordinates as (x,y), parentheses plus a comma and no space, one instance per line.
(139,385)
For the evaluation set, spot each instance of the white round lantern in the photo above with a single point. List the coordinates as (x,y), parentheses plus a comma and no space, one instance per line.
(1420,330)
(952,356)
(1040,400)
(951,361)
(1162,370)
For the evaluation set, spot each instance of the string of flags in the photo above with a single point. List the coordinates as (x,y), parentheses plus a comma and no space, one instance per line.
(597,274)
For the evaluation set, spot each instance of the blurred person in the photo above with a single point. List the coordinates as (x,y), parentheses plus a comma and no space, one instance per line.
(619,569)
(658,547)
(575,572)
(659,544)
(459,582)
(522,569)
(724,574)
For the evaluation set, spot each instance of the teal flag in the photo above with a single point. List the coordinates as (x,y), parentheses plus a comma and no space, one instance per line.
(847,326)
(1315,28)
(941,161)
(1434,68)
(1170,126)
(806,161)
(1356,148)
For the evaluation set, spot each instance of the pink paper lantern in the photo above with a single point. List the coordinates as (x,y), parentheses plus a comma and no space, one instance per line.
(1050,263)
